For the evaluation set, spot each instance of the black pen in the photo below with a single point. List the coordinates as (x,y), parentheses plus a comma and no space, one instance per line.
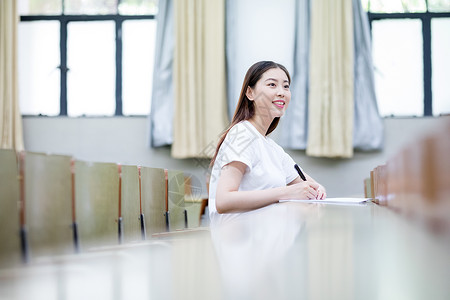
(302,176)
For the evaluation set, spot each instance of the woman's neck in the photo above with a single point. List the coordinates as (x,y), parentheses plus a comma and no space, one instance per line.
(261,124)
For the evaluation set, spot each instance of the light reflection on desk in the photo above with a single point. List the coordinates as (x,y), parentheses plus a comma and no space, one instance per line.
(252,249)
(278,253)
(284,251)
(322,251)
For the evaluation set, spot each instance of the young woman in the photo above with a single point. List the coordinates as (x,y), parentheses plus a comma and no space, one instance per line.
(249,170)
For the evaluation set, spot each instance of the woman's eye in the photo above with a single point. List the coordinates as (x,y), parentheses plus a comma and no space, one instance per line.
(271,84)
(286,86)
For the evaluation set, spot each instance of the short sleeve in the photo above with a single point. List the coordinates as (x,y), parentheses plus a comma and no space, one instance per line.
(238,146)
(288,166)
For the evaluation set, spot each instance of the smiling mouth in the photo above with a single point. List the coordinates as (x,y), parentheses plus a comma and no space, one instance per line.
(279,103)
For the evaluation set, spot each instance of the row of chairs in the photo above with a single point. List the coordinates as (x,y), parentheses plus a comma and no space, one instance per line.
(55,205)
(416,180)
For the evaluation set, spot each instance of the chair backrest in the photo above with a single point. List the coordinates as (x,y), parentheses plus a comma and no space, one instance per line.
(176,192)
(9,210)
(153,193)
(193,201)
(97,203)
(48,204)
(130,207)
(416,180)
(367,188)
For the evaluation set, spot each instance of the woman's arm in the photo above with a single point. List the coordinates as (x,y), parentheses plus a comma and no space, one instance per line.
(229,199)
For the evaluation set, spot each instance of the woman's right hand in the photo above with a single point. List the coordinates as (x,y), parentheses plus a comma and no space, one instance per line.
(303,190)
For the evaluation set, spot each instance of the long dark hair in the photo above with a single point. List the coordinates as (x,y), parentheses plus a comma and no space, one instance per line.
(245,108)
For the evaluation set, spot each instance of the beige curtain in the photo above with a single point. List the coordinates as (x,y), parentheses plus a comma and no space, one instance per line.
(331,105)
(11,136)
(199,77)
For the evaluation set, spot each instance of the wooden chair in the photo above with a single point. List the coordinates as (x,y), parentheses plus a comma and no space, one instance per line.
(379,184)
(416,181)
(175,200)
(372,186)
(367,188)
(437,185)
(10,250)
(194,202)
(129,210)
(48,204)
(97,204)
(431,178)
(153,195)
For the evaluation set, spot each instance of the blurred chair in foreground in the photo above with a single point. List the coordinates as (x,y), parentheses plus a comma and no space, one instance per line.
(48,204)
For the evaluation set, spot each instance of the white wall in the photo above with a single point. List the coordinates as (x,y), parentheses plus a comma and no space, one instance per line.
(125,140)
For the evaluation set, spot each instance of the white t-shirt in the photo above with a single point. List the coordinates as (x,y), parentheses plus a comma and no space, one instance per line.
(268,166)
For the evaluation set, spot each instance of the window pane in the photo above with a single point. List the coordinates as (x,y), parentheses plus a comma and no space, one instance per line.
(90,7)
(440,48)
(138,55)
(39,7)
(138,7)
(439,5)
(397,6)
(398,61)
(39,76)
(91,60)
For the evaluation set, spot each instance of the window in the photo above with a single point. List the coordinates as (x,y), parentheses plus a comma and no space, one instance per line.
(440,48)
(86,58)
(90,59)
(411,42)
(397,55)
(38,61)
(138,57)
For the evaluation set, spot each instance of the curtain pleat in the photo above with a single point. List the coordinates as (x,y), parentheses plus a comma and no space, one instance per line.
(11,135)
(368,128)
(294,122)
(199,77)
(331,105)
(162,106)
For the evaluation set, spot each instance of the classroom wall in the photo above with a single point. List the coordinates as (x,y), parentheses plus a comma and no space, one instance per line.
(125,140)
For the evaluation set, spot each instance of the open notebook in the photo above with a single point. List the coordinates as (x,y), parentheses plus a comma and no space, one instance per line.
(333,200)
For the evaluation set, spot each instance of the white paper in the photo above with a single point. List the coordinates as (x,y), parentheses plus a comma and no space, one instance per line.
(332,200)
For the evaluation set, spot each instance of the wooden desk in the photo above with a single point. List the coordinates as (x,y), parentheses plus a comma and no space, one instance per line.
(284,251)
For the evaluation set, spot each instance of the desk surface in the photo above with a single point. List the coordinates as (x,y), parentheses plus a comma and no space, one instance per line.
(284,251)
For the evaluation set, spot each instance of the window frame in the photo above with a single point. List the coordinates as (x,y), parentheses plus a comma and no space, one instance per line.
(425,18)
(64,20)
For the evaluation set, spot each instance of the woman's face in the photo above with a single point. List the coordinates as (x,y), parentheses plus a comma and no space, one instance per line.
(271,94)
